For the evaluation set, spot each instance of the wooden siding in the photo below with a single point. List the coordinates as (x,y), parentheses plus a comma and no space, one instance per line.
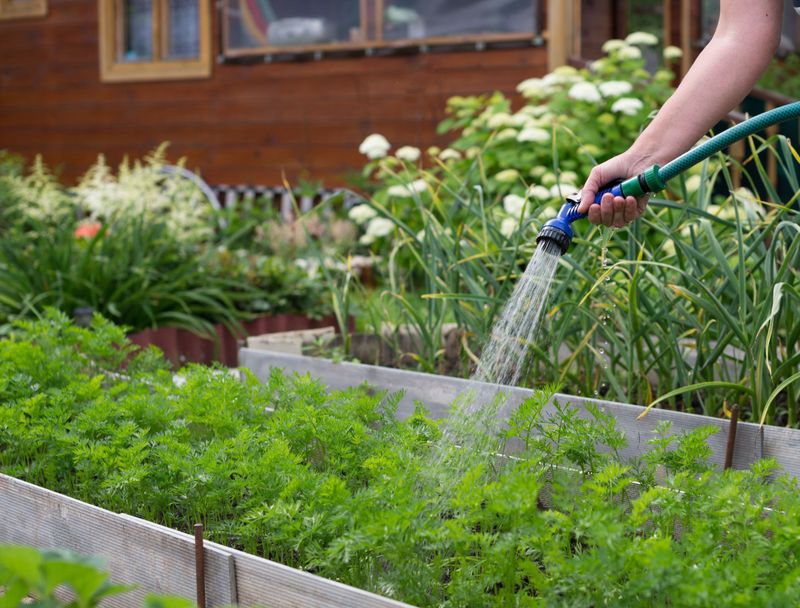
(245,124)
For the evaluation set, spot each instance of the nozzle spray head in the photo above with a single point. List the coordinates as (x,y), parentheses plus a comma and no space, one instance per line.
(559,229)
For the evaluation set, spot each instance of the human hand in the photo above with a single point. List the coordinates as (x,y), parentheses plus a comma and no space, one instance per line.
(613,210)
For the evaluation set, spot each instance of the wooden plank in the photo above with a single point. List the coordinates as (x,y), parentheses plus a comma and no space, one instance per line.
(438,392)
(155,558)
(260,582)
(161,560)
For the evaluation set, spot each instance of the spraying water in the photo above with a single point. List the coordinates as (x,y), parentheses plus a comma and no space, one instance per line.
(503,357)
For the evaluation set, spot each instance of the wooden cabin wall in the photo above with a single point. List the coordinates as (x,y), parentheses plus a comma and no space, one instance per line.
(245,124)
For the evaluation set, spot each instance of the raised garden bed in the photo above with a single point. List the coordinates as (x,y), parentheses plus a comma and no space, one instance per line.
(753,441)
(345,484)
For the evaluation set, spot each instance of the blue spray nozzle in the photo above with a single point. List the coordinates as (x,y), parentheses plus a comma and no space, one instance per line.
(559,229)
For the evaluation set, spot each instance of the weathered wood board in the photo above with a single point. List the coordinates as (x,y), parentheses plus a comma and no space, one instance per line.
(439,392)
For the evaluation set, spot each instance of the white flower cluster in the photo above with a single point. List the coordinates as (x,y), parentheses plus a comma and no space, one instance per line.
(585,91)
(641,38)
(418,186)
(143,190)
(627,105)
(38,195)
(374,146)
(408,153)
(615,88)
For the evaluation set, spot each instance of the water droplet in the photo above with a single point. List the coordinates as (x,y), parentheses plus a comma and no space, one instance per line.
(601,351)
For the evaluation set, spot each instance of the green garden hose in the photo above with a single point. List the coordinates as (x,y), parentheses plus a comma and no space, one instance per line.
(559,229)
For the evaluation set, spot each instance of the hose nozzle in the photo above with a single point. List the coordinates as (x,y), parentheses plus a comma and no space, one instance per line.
(559,229)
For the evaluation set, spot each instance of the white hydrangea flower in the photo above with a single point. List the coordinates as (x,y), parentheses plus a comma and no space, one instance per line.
(615,44)
(569,177)
(374,146)
(508,227)
(507,176)
(519,119)
(547,212)
(693,183)
(366,239)
(501,119)
(548,178)
(555,79)
(614,88)
(629,52)
(472,152)
(433,151)
(505,134)
(532,87)
(537,171)
(536,111)
(563,190)
(534,134)
(584,91)
(642,38)
(380,226)
(408,153)
(668,248)
(672,52)
(627,105)
(361,214)
(418,186)
(514,204)
(449,154)
(540,193)
(598,64)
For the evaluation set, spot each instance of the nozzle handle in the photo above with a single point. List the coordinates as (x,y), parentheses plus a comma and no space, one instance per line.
(614,187)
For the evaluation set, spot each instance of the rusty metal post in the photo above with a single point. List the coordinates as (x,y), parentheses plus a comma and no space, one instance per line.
(199,566)
(731,436)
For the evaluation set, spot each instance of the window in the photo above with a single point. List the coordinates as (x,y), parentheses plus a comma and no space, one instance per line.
(253,27)
(14,9)
(154,39)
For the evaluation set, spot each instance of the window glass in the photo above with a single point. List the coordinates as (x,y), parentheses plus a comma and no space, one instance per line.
(410,19)
(260,23)
(137,31)
(183,27)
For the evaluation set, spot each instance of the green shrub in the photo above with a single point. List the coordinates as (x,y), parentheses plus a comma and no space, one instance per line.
(334,484)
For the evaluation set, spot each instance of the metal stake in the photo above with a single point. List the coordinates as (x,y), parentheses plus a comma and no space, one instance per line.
(731,437)
(199,566)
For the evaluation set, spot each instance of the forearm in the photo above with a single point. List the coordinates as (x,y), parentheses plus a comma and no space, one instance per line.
(718,80)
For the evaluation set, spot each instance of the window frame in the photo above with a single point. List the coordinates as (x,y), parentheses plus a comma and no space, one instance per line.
(36,8)
(374,26)
(110,40)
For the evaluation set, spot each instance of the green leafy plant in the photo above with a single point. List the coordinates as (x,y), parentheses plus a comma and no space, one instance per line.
(783,76)
(333,483)
(30,577)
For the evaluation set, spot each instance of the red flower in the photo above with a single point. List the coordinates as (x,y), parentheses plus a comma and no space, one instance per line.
(87,231)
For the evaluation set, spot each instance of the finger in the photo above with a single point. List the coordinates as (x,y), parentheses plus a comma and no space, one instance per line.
(631,209)
(619,212)
(607,209)
(594,214)
(589,190)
